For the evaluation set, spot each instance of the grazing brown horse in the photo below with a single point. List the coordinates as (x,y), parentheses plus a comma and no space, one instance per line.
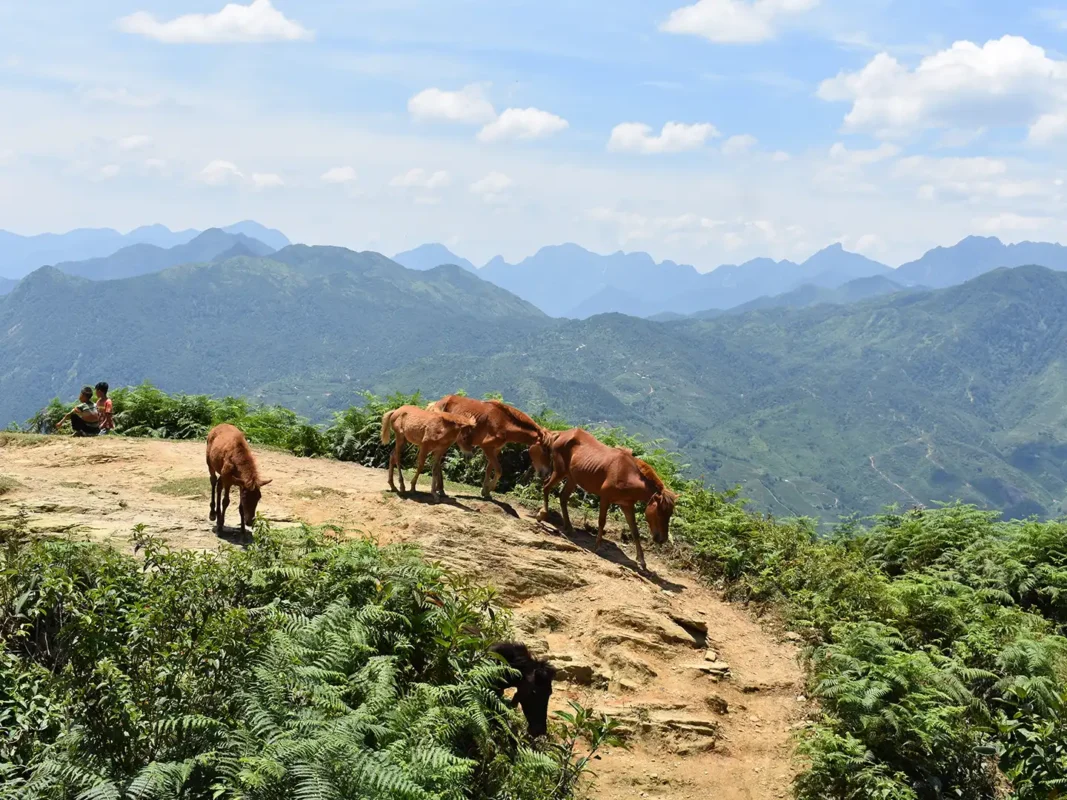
(434,432)
(611,473)
(231,463)
(496,424)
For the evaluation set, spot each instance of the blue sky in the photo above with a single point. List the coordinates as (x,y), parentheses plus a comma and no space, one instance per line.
(707,132)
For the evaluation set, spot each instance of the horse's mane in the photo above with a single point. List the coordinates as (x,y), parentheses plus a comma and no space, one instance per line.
(521,419)
(650,475)
(518,656)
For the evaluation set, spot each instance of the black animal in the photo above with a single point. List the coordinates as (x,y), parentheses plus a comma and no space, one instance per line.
(532,688)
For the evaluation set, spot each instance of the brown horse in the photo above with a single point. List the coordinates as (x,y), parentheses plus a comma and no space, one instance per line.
(611,473)
(496,424)
(231,463)
(434,432)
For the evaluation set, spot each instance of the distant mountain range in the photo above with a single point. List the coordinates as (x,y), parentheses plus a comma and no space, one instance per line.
(570,281)
(20,255)
(804,297)
(142,259)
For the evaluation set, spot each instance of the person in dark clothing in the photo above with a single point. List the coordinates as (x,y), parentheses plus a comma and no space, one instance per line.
(84,418)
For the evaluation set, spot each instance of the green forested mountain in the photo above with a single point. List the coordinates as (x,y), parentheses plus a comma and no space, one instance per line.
(909,398)
(306,312)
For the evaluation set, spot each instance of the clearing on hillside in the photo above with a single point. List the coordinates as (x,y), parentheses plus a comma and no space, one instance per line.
(713,699)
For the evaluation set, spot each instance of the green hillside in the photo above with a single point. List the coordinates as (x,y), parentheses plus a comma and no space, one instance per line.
(326,313)
(909,399)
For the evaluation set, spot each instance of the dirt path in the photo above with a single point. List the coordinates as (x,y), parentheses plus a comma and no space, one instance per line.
(712,697)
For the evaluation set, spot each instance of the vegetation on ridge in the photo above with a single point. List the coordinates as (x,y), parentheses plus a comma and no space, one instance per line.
(934,638)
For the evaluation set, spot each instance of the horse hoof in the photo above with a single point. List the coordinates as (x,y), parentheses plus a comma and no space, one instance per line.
(542,515)
(212,516)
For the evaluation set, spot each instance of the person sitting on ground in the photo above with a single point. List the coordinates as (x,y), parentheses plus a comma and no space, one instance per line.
(84,419)
(103,408)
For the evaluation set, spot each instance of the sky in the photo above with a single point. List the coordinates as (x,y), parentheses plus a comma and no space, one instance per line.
(706,132)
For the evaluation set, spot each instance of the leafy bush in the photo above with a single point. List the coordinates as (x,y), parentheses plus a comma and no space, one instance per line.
(935,637)
(300,667)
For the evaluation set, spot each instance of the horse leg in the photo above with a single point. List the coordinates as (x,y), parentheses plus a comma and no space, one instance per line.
(490,459)
(564,498)
(601,522)
(398,455)
(223,505)
(498,471)
(438,474)
(418,468)
(392,466)
(631,520)
(550,484)
(241,510)
(214,485)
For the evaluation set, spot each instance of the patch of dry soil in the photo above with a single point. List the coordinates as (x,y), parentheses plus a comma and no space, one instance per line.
(712,698)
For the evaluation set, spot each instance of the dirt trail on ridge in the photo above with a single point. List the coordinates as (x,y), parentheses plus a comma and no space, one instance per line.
(713,699)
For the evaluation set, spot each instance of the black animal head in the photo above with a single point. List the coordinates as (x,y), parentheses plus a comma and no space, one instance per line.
(532,688)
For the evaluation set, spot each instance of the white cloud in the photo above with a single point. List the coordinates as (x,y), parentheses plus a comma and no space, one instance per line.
(948,170)
(1049,127)
(421,179)
(259,21)
(135,142)
(845,171)
(522,123)
(972,178)
(636,137)
(960,137)
(735,21)
(120,97)
(7,155)
(493,187)
(885,150)
(267,180)
(1006,82)
(339,175)
(107,172)
(469,105)
(154,166)
(219,173)
(780,156)
(869,244)
(1008,223)
(738,145)
(691,229)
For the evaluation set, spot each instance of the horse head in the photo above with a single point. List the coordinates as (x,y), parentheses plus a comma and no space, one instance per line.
(533,688)
(541,454)
(465,438)
(658,513)
(250,497)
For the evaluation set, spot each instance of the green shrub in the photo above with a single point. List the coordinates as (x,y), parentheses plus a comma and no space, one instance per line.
(934,637)
(300,667)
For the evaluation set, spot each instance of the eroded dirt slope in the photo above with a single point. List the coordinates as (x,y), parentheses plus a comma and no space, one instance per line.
(713,698)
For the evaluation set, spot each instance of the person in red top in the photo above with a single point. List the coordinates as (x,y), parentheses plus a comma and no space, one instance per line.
(103,408)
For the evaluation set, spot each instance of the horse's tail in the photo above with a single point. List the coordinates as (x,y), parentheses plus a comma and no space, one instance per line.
(387,426)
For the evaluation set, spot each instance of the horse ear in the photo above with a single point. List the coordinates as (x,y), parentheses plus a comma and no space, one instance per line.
(264,483)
